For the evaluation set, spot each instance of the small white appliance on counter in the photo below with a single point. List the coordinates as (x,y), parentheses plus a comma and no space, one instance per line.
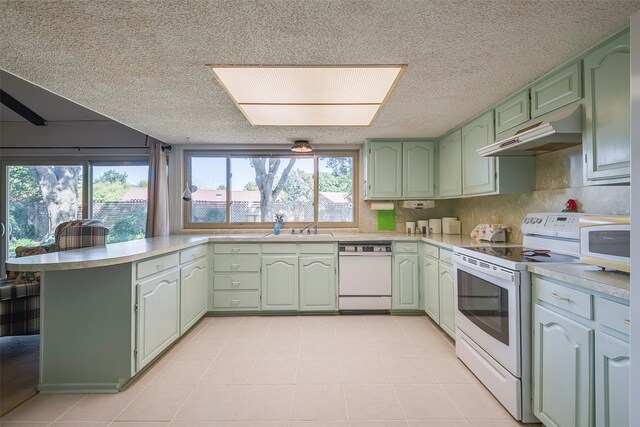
(493,305)
(605,241)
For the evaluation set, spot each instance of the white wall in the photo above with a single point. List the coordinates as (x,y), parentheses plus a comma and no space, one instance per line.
(634,418)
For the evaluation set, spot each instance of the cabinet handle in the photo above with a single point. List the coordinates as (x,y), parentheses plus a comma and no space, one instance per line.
(159,266)
(235,249)
(235,283)
(235,301)
(560,297)
(235,266)
(626,321)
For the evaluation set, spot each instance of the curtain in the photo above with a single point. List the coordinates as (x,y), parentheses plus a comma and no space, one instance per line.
(158,188)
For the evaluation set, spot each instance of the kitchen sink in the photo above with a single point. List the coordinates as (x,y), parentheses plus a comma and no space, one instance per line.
(311,236)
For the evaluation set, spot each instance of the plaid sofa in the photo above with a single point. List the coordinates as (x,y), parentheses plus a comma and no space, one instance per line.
(20,291)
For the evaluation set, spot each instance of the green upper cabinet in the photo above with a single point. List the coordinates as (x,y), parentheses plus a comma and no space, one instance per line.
(383,170)
(478,173)
(512,112)
(318,283)
(606,139)
(280,282)
(418,162)
(396,169)
(450,165)
(557,89)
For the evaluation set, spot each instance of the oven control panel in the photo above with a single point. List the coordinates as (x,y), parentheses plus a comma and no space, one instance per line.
(565,224)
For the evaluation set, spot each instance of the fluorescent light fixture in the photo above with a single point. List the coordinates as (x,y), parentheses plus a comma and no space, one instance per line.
(349,95)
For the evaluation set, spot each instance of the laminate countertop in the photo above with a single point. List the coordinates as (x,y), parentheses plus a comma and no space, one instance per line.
(135,250)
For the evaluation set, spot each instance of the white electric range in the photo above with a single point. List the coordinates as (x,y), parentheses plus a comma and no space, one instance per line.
(493,305)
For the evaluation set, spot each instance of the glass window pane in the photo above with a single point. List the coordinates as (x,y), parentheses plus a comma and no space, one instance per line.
(40,198)
(335,189)
(119,199)
(209,180)
(262,186)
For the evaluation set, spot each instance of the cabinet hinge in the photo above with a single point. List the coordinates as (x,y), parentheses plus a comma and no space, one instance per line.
(135,352)
(369,150)
(135,307)
(585,157)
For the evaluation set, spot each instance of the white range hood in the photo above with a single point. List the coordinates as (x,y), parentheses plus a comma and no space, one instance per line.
(559,130)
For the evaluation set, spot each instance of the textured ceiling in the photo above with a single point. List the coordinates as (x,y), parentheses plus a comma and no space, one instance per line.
(142,63)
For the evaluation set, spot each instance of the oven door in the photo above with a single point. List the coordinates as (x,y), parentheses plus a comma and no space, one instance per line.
(488,312)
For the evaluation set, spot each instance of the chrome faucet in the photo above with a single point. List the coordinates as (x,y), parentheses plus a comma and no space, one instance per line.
(306,227)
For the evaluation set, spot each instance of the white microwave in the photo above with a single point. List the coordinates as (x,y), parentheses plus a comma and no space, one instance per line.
(605,241)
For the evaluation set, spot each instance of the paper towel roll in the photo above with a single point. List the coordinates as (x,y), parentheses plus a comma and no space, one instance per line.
(382,206)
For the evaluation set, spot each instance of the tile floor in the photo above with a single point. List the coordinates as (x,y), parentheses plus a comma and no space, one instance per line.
(331,371)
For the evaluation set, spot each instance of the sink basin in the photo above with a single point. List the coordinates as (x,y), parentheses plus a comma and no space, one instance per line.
(299,236)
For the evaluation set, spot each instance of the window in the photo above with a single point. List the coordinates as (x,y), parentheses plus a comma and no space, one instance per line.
(119,198)
(247,190)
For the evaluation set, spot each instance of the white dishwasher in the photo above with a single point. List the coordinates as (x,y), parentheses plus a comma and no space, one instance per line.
(365,276)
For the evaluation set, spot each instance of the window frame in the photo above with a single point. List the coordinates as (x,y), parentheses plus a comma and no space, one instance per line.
(187,224)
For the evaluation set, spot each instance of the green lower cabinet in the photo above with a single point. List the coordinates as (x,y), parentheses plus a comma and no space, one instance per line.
(431,287)
(405,294)
(158,320)
(280,282)
(446,284)
(318,283)
(612,381)
(193,293)
(562,370)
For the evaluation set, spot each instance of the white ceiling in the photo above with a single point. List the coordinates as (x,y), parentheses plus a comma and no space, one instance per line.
(143,63)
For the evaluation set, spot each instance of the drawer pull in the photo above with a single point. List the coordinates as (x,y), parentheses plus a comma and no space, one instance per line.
(160,266)
(626,321)
(235,250)
(235,283)
(235,266)
(560,297)
(235,301)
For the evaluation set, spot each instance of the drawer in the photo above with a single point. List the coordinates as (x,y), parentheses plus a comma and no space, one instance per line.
(244,281)
(405,247)
(236,248)
(193,253)
(318,248)
(279,248)
(155,265)
(568,299)
(235,263)
(446,256)
(236,300)
(431,250)
(613,315)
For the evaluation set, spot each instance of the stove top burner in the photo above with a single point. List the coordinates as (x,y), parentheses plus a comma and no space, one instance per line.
(522,254)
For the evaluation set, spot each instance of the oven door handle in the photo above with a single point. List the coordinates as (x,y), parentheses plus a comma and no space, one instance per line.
(509,277)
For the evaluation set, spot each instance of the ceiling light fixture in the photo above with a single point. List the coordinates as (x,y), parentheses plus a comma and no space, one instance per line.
(340,95)
(301,146)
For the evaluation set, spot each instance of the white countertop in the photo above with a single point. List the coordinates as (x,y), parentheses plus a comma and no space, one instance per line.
(135,250)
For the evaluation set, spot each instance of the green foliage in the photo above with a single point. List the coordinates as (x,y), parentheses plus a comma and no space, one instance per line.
(331,183)
(109,191)
(339,165)
(298,187)
(221,187)
(112,176)
(143,183)
(251,186)
(13,244)
(22,184)
(129,227)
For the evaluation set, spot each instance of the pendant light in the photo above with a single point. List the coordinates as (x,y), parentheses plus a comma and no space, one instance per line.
(301,146)
(187,194)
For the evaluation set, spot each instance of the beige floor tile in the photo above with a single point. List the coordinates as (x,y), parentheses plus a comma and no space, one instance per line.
(139,424)
(372,402)
(80,423)
(196,424)
(426,401)
(438,423)
(318,424)
(360,349)
(24,423)
(363,371)
(182,372)
(475,401)
(43,407)
(228,372)
(200,348)
(318,371)
(353,332)
(274,371)
(211,402)
(152,371)
(240,350)
(216,332)
(408,371)
(318,402)
(259,424)
(265,403)
(326,349)
(279,349)
(101,407)
(249,333)
(451,371)
(377,423)
(314,333)
(500,423)
(156,404)
(398,348)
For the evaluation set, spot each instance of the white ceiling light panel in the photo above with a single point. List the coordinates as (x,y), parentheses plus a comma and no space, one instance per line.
(309,96)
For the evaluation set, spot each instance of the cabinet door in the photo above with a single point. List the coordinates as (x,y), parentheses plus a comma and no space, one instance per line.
(280,282)
(607,110)
(405,290)
(612,381)
(557,90)
(431,288)
(478,173)
(562,369)
(512,112)
(318,283)
(418,163)
(193,294)
(158,322)
(384,170)
(450,161)
(447,299)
